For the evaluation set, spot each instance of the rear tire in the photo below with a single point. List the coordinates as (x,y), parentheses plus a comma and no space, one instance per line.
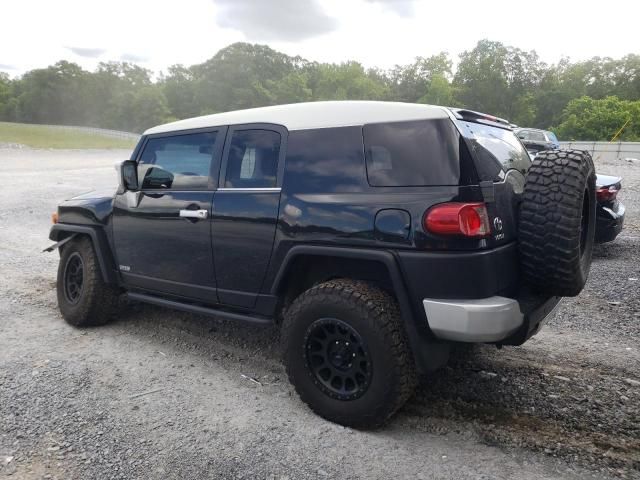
(557,222)
(83,297)
(331,324)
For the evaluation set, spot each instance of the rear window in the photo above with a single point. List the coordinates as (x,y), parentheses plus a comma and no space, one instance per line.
(497,150)
(537,136)
(416,153)
(325,160)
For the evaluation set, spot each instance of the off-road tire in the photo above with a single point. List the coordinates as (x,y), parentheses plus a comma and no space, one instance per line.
(96,301)
(375,316)
(557,222)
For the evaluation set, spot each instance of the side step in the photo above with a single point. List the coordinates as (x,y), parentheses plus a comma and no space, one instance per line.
(186,307)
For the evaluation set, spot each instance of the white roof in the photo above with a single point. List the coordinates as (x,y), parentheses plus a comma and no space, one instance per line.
(303,116)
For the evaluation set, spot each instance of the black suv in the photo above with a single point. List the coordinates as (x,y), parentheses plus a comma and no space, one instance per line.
(378,235)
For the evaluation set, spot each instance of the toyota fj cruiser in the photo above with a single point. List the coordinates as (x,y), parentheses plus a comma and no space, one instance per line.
(377,235)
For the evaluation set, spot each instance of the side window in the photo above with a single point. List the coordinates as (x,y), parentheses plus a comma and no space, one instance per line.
(415,153)
(253,159)
(179,162)
(325,160)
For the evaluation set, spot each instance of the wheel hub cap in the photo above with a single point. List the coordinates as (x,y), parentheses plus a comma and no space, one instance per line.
(337,359)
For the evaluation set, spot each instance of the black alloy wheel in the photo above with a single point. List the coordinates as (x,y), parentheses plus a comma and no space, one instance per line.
(338,359)
(74,278)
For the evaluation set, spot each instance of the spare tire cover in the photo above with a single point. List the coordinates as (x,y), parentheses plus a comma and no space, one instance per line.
(557,222)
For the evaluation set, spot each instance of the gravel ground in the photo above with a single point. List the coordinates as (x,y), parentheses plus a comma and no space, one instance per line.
(160,394)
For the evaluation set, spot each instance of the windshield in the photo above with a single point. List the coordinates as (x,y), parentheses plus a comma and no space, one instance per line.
(497,150)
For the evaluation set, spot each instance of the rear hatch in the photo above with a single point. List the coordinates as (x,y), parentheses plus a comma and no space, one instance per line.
(501,162)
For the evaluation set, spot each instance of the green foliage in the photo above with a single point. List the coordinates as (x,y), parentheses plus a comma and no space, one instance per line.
(588,119)
(410,83)
(440,92)
(5,94)
(345,81)
(492,78)
(497,79)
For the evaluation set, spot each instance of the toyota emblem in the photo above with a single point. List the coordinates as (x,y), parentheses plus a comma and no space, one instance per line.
(497,223)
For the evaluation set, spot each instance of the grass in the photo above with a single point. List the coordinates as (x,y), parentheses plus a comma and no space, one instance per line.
(40,136)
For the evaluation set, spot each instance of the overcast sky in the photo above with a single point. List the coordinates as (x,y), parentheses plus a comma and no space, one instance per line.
(159,33)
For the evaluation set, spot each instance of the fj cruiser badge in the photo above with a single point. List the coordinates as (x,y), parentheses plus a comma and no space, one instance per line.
(124,268)
(497,225)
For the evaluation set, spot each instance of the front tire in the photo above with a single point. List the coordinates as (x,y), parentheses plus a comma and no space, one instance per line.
(346,353)
(83,297)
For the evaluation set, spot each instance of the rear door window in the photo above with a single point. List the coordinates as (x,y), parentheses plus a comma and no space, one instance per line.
(416,153)
(253,159)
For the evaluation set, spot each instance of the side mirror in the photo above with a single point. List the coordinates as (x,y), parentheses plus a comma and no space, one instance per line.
(129,175)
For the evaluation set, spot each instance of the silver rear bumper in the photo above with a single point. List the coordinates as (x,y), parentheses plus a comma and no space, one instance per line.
(479,320)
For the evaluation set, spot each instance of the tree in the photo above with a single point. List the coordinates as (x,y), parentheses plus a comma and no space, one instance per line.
(55,94)
(238,77)
(439,92)
(149,108)
(5,96)
(344,81)
(494,78)
(411,82)
(180,91)
(588,119)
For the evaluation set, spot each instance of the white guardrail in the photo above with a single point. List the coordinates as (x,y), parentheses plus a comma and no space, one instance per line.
(98,131)
(606,150)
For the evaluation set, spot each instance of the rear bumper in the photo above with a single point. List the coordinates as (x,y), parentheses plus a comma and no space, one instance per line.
(466,274)
(493,319)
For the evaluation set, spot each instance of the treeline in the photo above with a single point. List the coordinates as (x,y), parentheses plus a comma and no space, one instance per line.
(591,99)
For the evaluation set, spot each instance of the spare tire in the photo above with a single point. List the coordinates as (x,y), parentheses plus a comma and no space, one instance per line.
(557,222)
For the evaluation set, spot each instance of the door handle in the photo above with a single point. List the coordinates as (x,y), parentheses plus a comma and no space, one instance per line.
(199,214)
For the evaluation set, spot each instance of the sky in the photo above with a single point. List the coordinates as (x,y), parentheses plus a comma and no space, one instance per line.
(378,33)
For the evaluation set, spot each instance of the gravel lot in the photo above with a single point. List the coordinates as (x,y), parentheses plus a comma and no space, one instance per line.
(160,394)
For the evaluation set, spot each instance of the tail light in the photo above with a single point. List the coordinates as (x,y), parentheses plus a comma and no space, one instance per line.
(454,218)
(606,194)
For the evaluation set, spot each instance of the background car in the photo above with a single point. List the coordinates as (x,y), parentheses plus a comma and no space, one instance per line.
(610,212)
(536,140)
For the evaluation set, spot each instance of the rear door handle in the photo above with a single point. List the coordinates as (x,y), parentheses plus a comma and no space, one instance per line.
(200,214)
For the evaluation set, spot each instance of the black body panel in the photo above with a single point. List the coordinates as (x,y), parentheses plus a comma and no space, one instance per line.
(242,230)
(463,275)
(100,242)
(158,250)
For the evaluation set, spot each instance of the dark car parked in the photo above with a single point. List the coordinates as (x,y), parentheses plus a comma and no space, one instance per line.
(610,212)
(536,140)
(377,235)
